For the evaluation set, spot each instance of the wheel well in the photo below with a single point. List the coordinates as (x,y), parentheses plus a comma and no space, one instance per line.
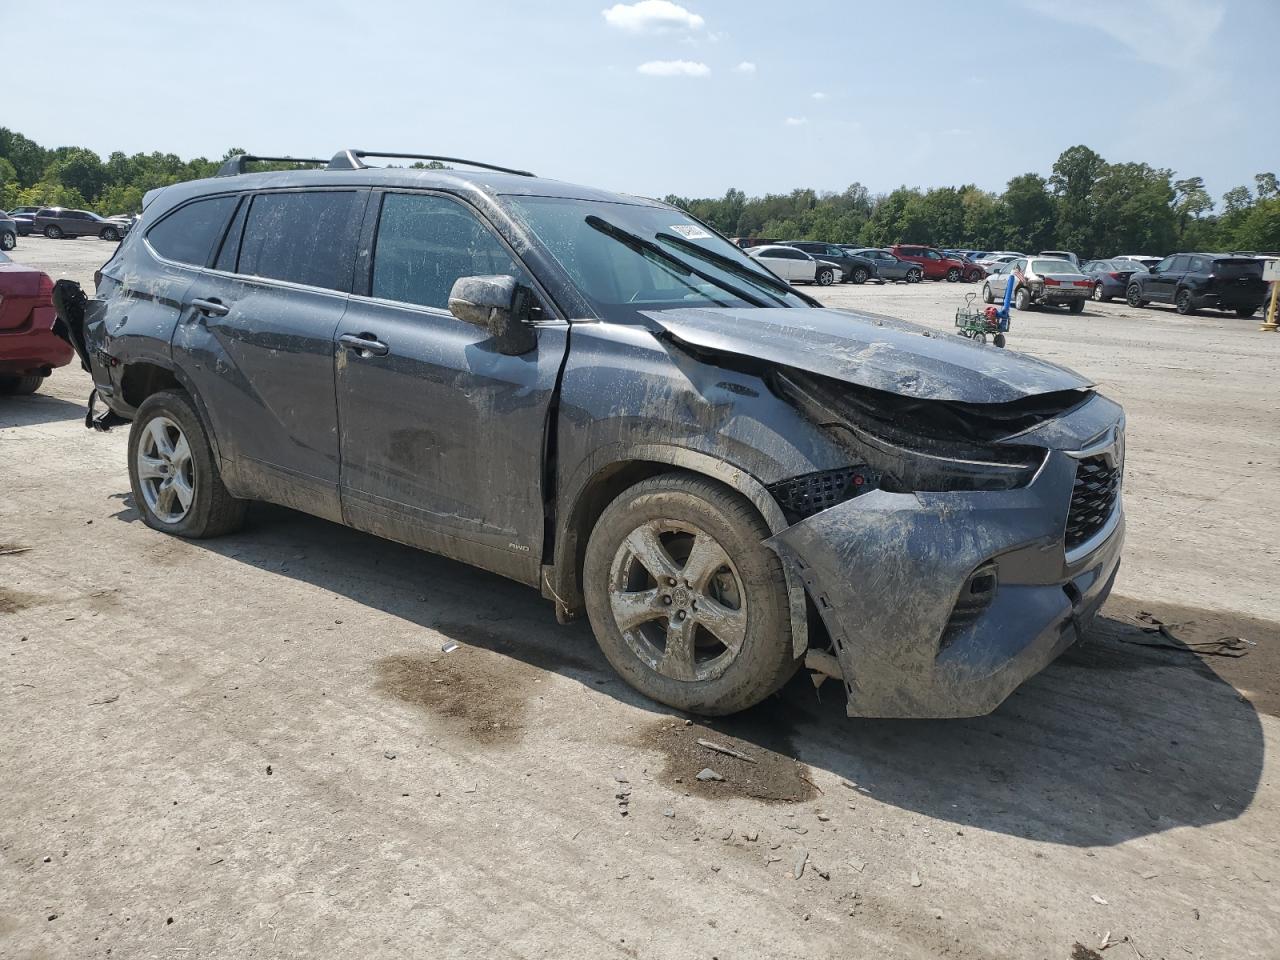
(141,380)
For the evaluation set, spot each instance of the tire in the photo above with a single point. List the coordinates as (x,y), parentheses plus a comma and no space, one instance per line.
(210,510)
(953,275)
(998,340)
(1183,302)
(825,277)
(1133,296)
(53,232)
(8,240)
(110,233)
(1246,311)
(1098,295)
(1022,298)
(987,295)
(669,513)
(20,386)
(974,276)
(859,275)
(1076,306)
(914,276)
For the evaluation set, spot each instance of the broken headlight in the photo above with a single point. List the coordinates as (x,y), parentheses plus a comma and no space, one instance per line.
(926,445)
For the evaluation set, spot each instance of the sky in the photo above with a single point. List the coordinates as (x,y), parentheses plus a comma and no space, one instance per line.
(657,97)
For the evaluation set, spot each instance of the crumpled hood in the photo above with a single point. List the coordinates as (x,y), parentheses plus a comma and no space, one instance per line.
(881,353)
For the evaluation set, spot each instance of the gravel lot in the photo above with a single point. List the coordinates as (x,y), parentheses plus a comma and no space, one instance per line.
(255,746)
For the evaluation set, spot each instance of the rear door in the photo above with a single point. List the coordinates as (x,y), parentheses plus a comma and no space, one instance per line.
(257,336)
(442,437)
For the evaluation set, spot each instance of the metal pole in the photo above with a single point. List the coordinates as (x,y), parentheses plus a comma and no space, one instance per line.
(1270,323)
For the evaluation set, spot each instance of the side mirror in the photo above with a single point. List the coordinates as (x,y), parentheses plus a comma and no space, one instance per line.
(498,304)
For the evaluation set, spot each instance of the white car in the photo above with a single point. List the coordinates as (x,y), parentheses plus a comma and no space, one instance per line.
(796,265)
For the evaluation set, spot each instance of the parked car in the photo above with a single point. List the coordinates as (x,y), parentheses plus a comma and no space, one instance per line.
(992,261)
(1061,255)
(1110,277)
(1040,281)
(29,349)
(708,450)
(58,222)
(1146,263)
(937,265)
(889,267)
(853,268)
(8,232)
(795,265)
(23,216)
(1191,281)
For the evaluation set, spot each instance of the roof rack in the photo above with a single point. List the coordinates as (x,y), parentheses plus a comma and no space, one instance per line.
(234,166)
(354,160)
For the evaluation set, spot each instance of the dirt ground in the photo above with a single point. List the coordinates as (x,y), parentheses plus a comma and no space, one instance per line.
(258,747)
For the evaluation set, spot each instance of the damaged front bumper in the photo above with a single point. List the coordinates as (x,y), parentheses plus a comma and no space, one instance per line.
(894,575)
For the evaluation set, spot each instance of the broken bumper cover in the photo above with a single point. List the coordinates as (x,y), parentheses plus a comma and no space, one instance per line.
(886,571)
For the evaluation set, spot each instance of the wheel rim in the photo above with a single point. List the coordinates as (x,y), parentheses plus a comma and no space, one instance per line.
(166,472)
(7,241)
(52,233)
(1184,302)
(953,275)
(913,276)
(678,600)
(859,276)
(1132,297)
(824,278)
(1097,292)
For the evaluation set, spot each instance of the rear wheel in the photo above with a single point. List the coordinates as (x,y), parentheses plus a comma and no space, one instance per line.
(1098,294)
(1133,296)
(1076,306)
(110,233)
(914,276)
(953,274)
(1246,311)
(8,240)
(1022,298)
(1183,302)
(20,386)
(685,600)
(998,340)
(974,276)
(859,275)
(987,295)
(825,277)
(53,232)
(175,479)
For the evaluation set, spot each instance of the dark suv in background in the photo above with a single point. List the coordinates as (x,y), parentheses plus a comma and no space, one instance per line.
(58,222)
(853,268)
(1191,281)
(601,397)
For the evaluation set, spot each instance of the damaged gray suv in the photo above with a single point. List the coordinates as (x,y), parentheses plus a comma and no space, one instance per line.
(601,397)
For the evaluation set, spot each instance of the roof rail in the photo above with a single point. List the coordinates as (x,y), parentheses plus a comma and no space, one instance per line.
(354,160)
(234,166)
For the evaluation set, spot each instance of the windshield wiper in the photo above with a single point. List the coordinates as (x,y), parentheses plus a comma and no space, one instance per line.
(643,247)
(737,269)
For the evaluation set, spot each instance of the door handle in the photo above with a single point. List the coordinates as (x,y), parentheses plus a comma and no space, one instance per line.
(212,308)
(365,344)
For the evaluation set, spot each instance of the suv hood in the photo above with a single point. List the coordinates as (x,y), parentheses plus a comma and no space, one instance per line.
(881,353)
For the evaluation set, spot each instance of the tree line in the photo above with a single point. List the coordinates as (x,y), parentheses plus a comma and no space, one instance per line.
(1086,204)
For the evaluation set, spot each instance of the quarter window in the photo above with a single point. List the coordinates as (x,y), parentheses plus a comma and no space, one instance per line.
(301,237)
(187,235)
(427,242)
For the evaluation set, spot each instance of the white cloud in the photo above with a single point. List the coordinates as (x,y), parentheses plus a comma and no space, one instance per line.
(651,16)
(819,95)
(673,68)
(796,121)
(746,66)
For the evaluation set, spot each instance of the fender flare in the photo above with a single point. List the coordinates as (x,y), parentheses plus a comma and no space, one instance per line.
(187,384)
(695,461)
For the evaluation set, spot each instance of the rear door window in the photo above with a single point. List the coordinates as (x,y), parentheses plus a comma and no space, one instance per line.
(187,235)
(425,243)
(307,237)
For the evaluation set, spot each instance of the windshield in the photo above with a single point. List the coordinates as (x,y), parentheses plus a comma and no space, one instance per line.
(627,258)
(1053,266)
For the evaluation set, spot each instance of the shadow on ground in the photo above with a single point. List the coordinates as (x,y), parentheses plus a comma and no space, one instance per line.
(1111,742)
(37,408)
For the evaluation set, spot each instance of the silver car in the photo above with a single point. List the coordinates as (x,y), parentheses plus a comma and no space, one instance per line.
(889,267)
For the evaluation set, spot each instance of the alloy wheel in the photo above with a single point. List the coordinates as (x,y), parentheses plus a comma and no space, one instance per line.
(166,471)
(678,600)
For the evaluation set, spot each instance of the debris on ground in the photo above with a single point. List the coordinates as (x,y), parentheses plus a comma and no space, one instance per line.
(668,812)
(1153,626)
(111,699)
(706,773)
(799,859)
(1081,952)
(915,878)
(389,754)
(727,751)
(449,647)
(1097,899)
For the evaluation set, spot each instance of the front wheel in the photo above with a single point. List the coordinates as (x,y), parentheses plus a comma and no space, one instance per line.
(53,232)
(1022,299)
(987,295)
(859,275)
(998,340)
(20,386)
(1183,302)
(110,233)
(685,600)
(1076,306)
(177,486)
(825,277)
(1133,297)
(8,240)
(914,276)
(953,275)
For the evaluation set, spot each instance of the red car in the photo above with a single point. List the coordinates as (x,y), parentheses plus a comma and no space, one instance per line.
(938,265)
(29,349)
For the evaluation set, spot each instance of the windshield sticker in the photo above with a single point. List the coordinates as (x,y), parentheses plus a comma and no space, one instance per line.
(690,231)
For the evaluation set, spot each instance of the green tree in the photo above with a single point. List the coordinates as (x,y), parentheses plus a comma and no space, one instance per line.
(1074,174)
(1191,201)
(1134,209)
(1029,212)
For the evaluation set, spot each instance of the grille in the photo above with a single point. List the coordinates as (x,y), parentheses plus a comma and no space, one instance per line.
(1093,498)
(812,493)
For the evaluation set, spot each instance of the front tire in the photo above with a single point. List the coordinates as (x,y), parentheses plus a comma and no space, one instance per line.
(998,340)
(859,275)
(20,386)
(825,277)
(177,487)
(8,240)
(1022,298)
(111,233)
(987,295)
(686,602)
(53,232)
(1076,306)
